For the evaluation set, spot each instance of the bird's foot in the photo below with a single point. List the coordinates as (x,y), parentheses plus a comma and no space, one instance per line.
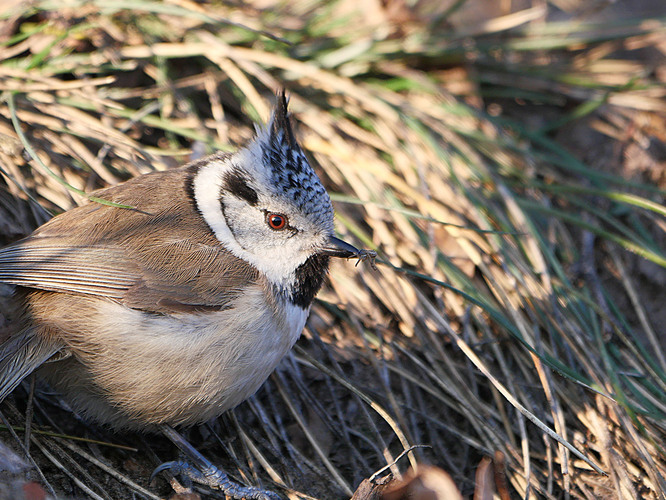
(215,479)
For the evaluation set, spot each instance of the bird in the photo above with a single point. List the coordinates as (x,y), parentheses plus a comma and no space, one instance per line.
(174,300)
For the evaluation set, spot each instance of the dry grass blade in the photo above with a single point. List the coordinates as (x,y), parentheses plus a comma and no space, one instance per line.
(514,402)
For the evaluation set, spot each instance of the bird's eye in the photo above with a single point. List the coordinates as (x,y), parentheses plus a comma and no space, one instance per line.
(276,221)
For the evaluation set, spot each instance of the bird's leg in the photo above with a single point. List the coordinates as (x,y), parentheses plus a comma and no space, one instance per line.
(202,471)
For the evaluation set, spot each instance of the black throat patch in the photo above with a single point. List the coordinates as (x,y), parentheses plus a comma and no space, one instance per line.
(309,278)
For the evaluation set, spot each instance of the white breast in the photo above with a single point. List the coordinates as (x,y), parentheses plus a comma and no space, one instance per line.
(187,368)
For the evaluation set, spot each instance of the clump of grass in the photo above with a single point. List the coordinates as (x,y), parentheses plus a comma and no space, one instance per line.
(505,315)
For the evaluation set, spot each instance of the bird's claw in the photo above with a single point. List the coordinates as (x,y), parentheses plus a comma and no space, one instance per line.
(215,479)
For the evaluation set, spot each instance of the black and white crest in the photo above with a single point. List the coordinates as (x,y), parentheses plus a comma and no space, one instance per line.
(289,170)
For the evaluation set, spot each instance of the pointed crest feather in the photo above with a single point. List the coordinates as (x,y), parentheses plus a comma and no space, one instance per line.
(284,167)
(280,121)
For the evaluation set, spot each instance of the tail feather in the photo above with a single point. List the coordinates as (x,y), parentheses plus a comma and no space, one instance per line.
(20,355)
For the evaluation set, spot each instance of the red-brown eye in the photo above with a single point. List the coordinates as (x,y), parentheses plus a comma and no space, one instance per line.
(276,221)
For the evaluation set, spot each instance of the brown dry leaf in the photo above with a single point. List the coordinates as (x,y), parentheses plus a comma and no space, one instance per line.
(484,488)
(429,483)
(372,489)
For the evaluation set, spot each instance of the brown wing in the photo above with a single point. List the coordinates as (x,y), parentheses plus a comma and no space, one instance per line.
(160,256)
(51,265)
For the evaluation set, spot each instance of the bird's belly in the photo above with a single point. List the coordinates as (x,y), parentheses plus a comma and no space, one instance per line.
(147,369)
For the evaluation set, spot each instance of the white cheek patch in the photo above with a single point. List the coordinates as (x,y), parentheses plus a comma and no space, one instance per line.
(277,266)
(207,187)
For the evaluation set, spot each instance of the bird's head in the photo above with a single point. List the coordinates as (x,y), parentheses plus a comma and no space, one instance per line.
(267,206)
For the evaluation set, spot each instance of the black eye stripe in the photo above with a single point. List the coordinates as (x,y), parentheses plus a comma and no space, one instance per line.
(237,184)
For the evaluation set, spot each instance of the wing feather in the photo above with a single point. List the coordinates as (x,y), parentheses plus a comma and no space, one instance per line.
(160,256)
(21,355)
(98,271)
(161,277)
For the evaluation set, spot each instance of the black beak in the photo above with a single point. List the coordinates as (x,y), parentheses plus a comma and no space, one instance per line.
(335,247)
